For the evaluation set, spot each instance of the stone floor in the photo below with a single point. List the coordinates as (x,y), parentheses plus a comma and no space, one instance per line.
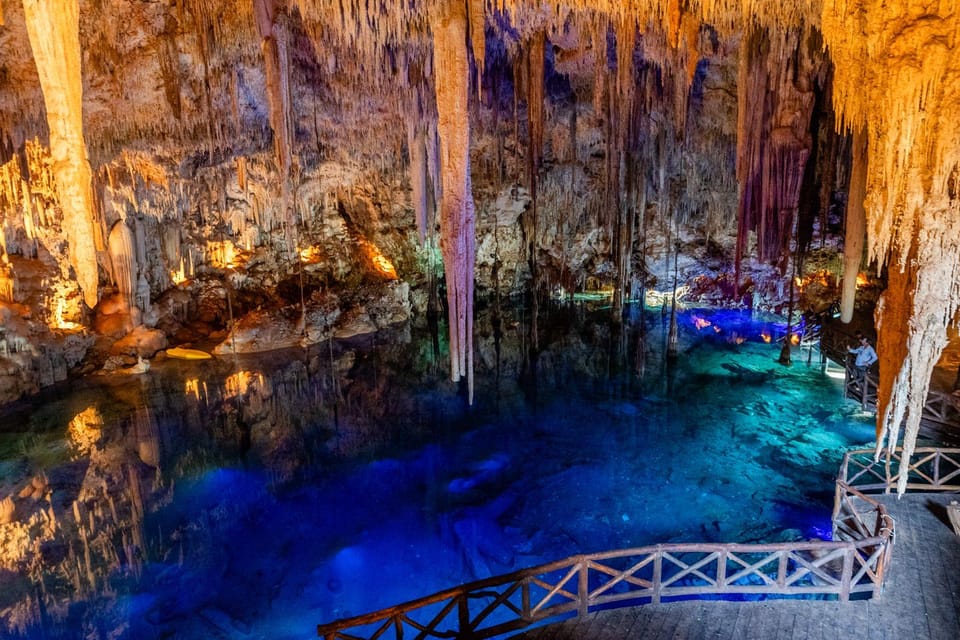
(920,601)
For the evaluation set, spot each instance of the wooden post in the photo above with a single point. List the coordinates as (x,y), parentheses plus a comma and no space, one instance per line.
(657,570)
(582,589)
(847,574)
(722,570)
(463,615)
(525,599)
(838,501)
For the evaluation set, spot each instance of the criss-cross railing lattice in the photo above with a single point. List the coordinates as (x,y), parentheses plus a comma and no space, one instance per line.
(929,469)
(852,564)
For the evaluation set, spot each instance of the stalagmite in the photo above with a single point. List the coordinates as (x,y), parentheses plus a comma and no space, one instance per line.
(53,29)
(123,256)
(448,23)
(855,227)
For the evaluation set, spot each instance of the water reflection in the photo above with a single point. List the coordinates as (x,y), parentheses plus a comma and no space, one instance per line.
(257,496)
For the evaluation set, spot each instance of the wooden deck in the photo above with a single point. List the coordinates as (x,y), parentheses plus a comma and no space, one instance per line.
(921,599)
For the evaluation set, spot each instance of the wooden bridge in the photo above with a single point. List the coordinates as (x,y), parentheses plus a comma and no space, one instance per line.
(851,566)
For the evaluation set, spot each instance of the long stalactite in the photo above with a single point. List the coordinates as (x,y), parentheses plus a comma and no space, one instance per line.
(53,29)
(775,104)
(273,46)
(448,22)
(855,226)
(907,104)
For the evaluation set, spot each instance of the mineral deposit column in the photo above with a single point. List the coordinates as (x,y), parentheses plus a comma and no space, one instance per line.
(449,25)
(53,28)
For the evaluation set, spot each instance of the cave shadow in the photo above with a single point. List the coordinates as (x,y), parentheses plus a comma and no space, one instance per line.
(939,511)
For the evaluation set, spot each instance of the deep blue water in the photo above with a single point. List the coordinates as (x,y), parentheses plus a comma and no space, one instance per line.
(256,497)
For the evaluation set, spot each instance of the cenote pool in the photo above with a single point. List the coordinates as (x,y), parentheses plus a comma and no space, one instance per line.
(255,497)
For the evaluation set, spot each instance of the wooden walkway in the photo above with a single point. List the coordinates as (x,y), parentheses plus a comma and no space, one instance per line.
(920,601)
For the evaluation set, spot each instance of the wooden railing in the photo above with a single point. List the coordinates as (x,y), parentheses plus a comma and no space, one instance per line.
(852,564)
(929,469)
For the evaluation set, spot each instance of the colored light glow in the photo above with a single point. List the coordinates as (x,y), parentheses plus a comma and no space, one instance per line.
(656,298)
(310,255)
(702,323)
(224,255)
(191,387)
(238,383)
(59,322)
(180,275)
(379,261)
(765,335)
(85,430)
(862,280)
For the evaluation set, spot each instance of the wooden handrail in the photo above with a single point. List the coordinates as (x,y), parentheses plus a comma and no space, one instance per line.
(930,469)
(863,531)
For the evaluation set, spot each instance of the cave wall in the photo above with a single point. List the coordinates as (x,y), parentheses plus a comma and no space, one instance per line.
(179,113)
(271,157)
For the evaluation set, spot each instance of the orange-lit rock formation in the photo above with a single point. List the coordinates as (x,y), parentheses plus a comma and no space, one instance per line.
(53,27)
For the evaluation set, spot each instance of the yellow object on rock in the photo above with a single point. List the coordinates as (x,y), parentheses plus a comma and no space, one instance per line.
(188,354)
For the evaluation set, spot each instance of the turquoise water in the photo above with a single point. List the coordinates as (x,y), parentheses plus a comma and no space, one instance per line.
(257,497)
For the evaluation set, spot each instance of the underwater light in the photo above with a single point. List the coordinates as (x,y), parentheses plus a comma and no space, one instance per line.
(701,323)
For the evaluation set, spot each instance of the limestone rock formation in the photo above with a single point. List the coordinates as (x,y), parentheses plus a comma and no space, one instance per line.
(219,165)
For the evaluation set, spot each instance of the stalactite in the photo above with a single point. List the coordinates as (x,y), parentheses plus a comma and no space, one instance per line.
(855,226)
(751,86)
(418,180)
(478,40)
(535,112)
(242,173)
(170,73)
(53,29)
(534,66)
(448,23)
(775,104)
(622,114)
(897,67)
(273,46)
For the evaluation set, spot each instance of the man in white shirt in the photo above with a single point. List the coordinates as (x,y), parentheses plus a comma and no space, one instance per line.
(866,356)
